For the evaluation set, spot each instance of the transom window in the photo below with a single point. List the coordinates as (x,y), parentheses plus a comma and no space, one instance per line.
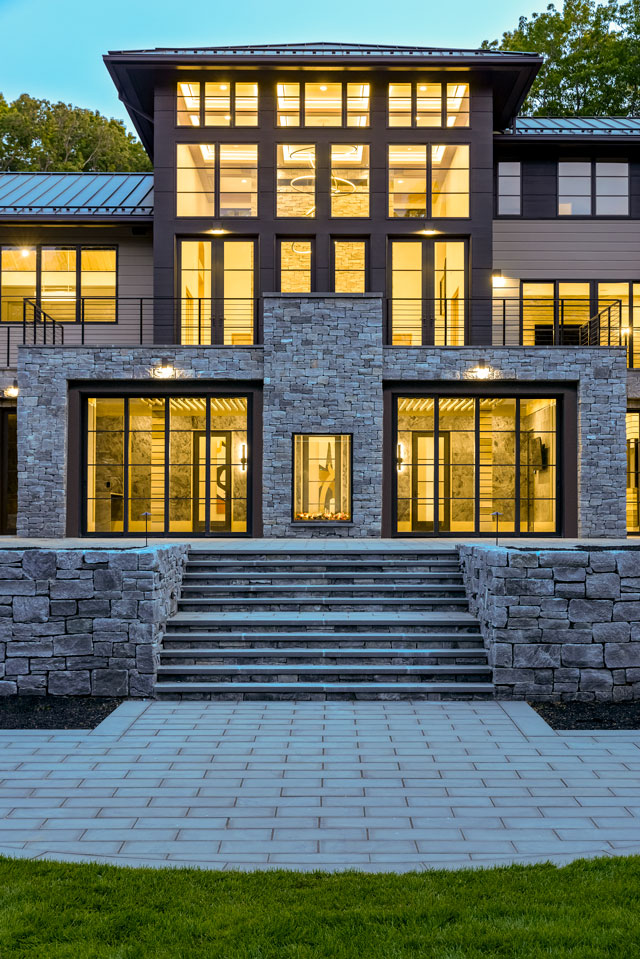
(323,104)
(227,188)
(598,187)
(70,283)
(424,104)
(217,104)
(429,181)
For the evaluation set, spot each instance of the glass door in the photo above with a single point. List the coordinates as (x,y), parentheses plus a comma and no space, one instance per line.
(428,283)
(217,292)
(423,477)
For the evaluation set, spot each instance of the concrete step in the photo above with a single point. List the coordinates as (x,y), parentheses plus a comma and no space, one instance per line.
(346,619)
(327,576)
(451,671)
(353,603)
(329,655)
(175,639)
(368,590)
(296,690)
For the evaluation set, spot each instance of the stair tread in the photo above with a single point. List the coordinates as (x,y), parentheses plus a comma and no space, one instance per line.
(333,652)
(320,600)
(347,616)
(320,668)
(437,687)
(334,587)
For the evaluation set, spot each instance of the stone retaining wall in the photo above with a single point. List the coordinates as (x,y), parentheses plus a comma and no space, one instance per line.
(558,624)
(85,622)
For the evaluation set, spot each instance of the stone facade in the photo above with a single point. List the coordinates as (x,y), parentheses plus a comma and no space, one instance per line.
(79,622)
(558,624)
(323,374)
(600,376)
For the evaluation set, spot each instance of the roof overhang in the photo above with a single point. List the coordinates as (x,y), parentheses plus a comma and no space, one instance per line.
(136,72)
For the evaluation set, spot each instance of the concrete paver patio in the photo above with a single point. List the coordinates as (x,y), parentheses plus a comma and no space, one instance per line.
(372,785)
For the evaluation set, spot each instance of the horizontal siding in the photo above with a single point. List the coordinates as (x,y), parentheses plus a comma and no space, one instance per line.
(567,249)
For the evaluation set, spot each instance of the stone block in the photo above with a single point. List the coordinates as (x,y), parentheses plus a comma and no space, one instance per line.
(32,685)
(8,688)
(626,612)
(590,610)
(563,557)
(536,657)
(569,574)
(582,655)
(31,609)
(613,632)
(35,648)
(602,561)
(592,680)
(107,579)
(77,645)
(109,682)
(72,589)
(603,586)
(622,655)
(146,659)
(70,683)
(39,563)
(63,607)
(628,562)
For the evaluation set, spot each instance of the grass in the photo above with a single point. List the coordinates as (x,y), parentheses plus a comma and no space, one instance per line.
(587,910)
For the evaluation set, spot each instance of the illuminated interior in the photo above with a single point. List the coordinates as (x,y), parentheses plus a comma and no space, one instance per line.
(450,181)
(494,455)
(185,470)
(225,104)
(238,179)
(426,104)
(349,180)
(407,180)
(633,471)
(349,266)
(322,478)
(19,276)
(295,266)
(288,104)
(296,180)
(428,308)
(217,294)
(323,104)
(188,104)
(195,194)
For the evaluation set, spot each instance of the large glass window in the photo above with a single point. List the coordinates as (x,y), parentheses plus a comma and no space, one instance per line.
(58,283)
(450,181)
(425,104)
(473,464)
(224,104)
(288,105)
(196,179)
(217,291)
(195,292)
(633,471)
(612,188)
(321,478)
(167,464)
(295,266)
(586,188)
(349,180)
(98,284)
(17,281)
(188,104)
(238,179)
(574,188)
(509,190)
(323,104)
(349,266)
(428,298)
(407,292)
(296,183)
(358,99)
(449,282)
(407,181)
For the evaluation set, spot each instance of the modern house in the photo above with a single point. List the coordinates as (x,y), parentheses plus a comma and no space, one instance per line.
(359,296)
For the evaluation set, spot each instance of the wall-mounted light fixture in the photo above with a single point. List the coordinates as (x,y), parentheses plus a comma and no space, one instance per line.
(217,230)
(427,229)
(243,457)
(497,279)
(399,458)
(481,371)
(12,391)
(163,372)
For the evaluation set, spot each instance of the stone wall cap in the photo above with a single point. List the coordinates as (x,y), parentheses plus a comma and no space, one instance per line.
(322,296)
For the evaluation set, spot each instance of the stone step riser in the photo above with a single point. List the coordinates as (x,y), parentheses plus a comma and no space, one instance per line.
(323,672)
(346,604)
(337,662)
(242,591)
(345,556)
(323,580)
(199,647)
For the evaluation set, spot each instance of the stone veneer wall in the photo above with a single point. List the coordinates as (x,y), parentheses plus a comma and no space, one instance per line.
(558,624)
(601,377)
(85,622)
(322,374)
(44,373)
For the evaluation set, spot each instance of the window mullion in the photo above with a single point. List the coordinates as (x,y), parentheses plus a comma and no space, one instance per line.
(443,105)
(127,504)
(207,468)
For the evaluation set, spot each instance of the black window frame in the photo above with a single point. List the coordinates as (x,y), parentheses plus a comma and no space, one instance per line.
(343,125)
(414,106)
(332,266)
(217,169)
(332,523)
(593,198)
(498,194)
(201,106)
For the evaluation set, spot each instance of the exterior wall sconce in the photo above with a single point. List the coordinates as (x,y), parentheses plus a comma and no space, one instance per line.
(217,230)
(163,372)
(399,458)
(243,457)
(497,279)
(481,371)
(427,230)
(12,391)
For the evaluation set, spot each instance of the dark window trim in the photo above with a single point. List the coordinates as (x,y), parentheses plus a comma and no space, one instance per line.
(232,125)
(566,446)
(497,213)
(181,217)
(593,215)
(309,238)
(332,265)
(414,104)
(321,523)
(429,185)
(79,392)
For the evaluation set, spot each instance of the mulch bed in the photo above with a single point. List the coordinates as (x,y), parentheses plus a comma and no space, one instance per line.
(55,712)
(590,715)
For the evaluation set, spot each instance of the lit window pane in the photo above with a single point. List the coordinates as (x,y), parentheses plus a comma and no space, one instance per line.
(238,280)
(217,104)
(188,105)
(238,179)
(296,183)
(295,266)
(58,283)
(349,266)
(450,181)
(400,108)
(288,113)
(406,292)
(449,286)
(407,181)
(349,180)
(323,104)
(18,281)
(429,105)
(195,292)
(457,104)
(246,104)
(195,179)
(98,285)
(322,478)
(358,97)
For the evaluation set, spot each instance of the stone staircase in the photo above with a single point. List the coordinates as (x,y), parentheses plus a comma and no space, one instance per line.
(323,624)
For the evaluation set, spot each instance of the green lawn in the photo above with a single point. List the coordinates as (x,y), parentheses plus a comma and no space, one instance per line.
(586,910)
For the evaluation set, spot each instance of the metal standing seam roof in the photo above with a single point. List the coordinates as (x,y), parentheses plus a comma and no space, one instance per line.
(76,194)
(577,126)
(325,49)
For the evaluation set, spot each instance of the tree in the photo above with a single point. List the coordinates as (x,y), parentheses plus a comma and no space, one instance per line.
(37,135)
(592,60)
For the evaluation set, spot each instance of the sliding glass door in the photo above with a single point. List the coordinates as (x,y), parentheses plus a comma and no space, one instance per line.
(428,302)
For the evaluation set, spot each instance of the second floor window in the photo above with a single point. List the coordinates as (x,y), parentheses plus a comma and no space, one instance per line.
(349,180)
(217,104)
(428,104)
(296,180)
(226,188)
(323,104)
(587,188)
(296,264)
(429,181)
(349,266)
(509,192)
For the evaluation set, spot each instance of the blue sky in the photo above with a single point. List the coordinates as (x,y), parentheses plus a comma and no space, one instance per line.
(53,48)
